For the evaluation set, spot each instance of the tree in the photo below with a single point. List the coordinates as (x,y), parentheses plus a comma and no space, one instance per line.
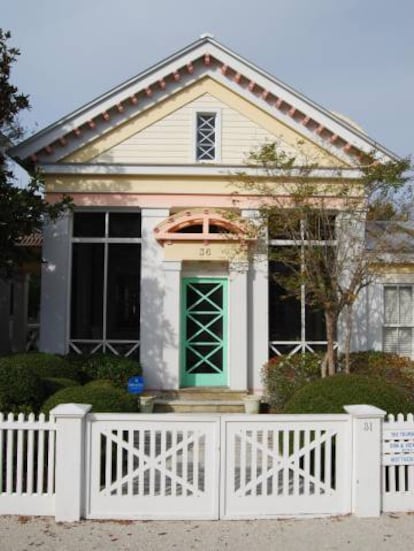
(318,228)
(22,210)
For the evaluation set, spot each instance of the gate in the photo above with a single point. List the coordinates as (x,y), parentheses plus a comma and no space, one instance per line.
(171,466)
(286,465)
(152,466)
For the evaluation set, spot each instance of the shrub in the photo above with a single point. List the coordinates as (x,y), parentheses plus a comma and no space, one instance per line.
(390,367)
(284,375)
(21,389)
(44,365)
(329,395)
(53,384)
(103,398)
(105,366)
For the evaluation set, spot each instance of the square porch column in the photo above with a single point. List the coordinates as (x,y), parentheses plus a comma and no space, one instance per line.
(238,334)
(54,302)
(152,299)
(258,307)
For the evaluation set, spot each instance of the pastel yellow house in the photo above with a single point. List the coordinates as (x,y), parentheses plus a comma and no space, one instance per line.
(144,264)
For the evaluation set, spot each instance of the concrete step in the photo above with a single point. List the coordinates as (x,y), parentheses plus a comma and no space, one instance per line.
(162,405)
(203,394)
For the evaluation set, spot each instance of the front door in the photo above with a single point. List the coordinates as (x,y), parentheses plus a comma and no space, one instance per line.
(204,331)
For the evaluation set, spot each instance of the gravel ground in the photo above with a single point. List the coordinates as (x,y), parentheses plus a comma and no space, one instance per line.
(390,532)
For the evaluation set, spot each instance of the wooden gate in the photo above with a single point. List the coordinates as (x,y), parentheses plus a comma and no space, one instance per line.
(171,466)
(281,465)
(152,467)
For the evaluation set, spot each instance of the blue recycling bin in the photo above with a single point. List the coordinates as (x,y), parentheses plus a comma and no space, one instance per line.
(136,385)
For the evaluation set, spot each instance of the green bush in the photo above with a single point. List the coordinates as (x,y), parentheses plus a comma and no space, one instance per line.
(21,389)
(103,398)
(105,366)
(329,395)
(284,375)
(44,365)
(53,384)
(389,367)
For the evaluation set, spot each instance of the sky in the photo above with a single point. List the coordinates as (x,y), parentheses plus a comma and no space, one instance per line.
(354,57)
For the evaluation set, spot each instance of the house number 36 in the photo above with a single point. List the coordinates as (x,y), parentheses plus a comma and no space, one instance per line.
(204,251)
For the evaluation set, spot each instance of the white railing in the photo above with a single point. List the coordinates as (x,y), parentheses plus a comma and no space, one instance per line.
(280,348)
(27,461)
(398,463)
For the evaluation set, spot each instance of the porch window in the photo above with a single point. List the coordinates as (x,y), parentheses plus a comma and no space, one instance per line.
(105,282)
(207,134)
(294,325)
(398,320)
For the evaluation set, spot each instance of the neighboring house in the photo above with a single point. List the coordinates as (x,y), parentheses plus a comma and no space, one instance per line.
(20,301)
(142,266)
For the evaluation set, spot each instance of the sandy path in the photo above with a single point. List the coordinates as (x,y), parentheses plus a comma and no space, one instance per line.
(390,532)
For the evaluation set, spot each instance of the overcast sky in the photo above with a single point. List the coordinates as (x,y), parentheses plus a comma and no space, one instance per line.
(354,57)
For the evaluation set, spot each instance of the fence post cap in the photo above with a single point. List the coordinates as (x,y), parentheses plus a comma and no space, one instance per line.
(71,410)
(364,410)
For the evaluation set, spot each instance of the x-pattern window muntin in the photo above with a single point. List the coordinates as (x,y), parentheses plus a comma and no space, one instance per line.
(206,137)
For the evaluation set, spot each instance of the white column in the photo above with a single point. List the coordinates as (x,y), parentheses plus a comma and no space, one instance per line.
(54,304)
(152,298)
(70,461)
(366,459)
(238,335)
(171,325)
(258,308)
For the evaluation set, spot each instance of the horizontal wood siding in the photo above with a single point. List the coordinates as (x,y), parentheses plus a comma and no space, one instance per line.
(171,140)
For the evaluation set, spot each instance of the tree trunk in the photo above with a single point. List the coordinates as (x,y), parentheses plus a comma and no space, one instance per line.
(330,319)
(348,334)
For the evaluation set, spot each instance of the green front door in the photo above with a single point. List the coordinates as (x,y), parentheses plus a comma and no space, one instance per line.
(204,331)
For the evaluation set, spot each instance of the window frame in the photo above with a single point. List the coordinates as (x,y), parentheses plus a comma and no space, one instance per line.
(217,135)
(398,326)
(103,344)
(303,345)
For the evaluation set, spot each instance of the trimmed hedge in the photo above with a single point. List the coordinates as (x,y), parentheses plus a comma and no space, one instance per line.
(329,395)
(116,369)
(104,398)
(21,389)
(389,367)
(53,384)
(42,364)
(283,375)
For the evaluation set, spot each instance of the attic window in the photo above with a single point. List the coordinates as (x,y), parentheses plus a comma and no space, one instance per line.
(206,136)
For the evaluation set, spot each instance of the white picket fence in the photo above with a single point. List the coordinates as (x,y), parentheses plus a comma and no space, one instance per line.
(27,459)
(168,466)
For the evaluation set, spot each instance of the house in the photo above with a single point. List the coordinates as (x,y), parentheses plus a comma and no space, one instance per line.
(149,263)
(20,300)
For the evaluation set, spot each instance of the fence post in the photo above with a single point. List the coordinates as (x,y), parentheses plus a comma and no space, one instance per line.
(366,459)
(70,460)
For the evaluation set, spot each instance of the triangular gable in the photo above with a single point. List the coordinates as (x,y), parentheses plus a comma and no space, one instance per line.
(164,134)
(205,57)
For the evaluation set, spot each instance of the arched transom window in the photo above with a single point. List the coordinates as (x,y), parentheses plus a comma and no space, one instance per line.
(204,225)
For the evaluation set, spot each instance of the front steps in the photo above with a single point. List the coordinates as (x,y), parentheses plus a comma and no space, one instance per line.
(200,400)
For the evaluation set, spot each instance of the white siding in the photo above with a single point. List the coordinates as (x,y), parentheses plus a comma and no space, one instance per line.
(171,140)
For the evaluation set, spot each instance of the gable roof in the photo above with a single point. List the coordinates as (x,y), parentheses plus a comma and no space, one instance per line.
(204,57)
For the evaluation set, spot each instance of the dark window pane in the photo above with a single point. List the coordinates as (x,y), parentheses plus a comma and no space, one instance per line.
(89,224)
(124,224)
(194,228)
(123,292)
(87,290)
(320,226)
(315,324)
(284,311)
